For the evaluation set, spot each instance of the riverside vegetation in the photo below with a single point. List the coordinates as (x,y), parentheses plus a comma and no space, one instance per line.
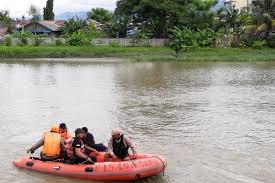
(195,31)
(139,53)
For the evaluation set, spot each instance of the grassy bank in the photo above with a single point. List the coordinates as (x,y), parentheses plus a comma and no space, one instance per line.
(139,53)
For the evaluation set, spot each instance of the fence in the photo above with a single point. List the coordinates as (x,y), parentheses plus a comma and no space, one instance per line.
(131,42)
(123,42)
(104,41)
(42,41)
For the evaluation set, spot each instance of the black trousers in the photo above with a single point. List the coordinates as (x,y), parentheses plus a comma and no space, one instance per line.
(81,160)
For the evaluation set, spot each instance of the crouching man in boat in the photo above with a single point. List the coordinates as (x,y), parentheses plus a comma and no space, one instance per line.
(77,145)
(119,145)
(53,145)
(101,155)
(90,141)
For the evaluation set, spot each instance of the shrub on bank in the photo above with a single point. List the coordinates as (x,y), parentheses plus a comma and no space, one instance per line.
(259,44)
(7,41)
(58,42)
(271,42)
(182,40)
(78,39)
(114,44)
(37,41)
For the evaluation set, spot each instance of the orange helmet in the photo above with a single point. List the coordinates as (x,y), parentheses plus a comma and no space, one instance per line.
(55,128)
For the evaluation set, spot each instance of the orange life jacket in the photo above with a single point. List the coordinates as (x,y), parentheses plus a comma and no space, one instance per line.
(70,149)
(51,145)
(66,135)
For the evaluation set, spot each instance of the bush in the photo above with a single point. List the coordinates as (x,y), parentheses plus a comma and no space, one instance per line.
(203,37)
(8,41)
(37,41)
(58,42)
(23,36)
(73,25)
(182,40)
(78,39)
(249,40)
(91,32)
(23,41)
(271,42)
(20,44)
(259,44)
(114,44)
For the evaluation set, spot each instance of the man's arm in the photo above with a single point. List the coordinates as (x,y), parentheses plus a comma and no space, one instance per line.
(110,147)
(36,146)
(129,143)
(91,149)
(62,144)
(69,135)
(80,154)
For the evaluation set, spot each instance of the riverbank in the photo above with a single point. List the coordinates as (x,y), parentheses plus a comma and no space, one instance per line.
(139,53)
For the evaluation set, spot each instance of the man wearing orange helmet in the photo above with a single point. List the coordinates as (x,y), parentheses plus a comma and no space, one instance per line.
(53,145)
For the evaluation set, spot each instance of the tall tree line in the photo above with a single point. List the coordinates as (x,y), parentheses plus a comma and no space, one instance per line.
(48,13)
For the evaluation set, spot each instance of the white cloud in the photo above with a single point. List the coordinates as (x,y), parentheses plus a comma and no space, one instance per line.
(17,8)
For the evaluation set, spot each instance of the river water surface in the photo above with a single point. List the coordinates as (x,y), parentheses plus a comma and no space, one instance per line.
(215,122)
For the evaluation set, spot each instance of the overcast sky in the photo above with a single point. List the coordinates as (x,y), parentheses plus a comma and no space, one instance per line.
(17,8)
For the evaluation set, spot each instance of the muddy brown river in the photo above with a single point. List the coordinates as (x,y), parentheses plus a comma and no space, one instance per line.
(215,122)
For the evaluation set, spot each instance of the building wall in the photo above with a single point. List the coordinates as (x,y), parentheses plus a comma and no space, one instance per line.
(98,42)
(241,3)
(130,42)
(34,27)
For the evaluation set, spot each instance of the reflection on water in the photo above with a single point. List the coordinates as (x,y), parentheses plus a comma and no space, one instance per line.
(213,121)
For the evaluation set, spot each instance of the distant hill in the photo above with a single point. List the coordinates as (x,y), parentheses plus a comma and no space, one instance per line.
(68,15)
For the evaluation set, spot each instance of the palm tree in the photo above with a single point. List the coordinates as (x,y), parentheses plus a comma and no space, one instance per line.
(263,12)
(6,20)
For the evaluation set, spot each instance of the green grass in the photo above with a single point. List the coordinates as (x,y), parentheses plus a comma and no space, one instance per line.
(139,53)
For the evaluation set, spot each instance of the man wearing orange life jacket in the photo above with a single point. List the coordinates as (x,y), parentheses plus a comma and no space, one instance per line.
(53,145)
(63,130)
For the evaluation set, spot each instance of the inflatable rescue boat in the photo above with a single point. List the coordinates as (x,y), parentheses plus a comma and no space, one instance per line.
(142,166)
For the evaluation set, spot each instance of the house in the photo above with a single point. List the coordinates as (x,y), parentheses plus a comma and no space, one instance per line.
(52,28)
(3,32)
(239,4)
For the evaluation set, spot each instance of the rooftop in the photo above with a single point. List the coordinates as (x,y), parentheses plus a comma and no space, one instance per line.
(53,25)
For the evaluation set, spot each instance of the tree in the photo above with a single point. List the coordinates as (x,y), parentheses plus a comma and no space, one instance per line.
(263,12)
(105,18)
(90,31)
(6,20)
(48,11)
(100,15)
(230,19)
(118,26)
(4,14)
(34,12)
(158,16)
(74,25)
(181,39)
